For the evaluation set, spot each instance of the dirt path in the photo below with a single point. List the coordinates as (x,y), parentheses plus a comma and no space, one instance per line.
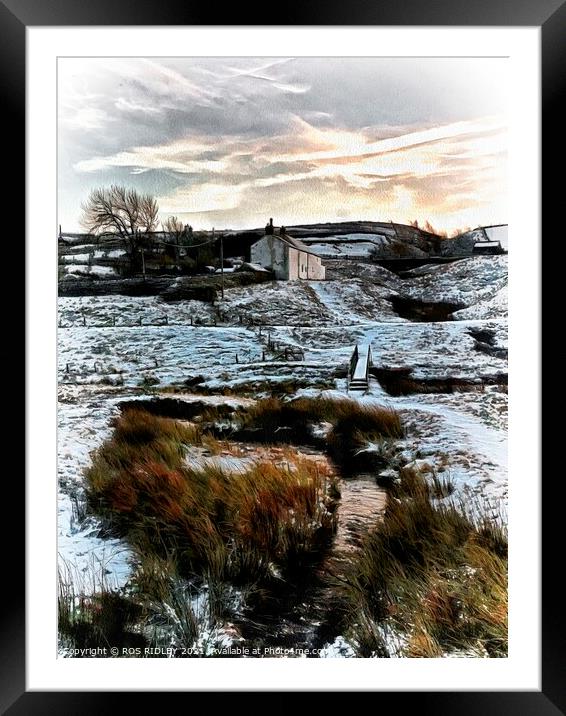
(310,615)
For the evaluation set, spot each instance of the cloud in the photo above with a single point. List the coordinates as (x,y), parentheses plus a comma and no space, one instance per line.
(125,105)
(213,135)
(202,198)
(87,118)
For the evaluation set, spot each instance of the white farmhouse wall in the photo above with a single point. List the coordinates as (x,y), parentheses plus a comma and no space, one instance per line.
(286,262)
(293,259)
(270,253)
(305,266)
(316,271)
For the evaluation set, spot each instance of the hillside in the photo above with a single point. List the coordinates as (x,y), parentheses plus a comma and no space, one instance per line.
(441,367)
(86,257)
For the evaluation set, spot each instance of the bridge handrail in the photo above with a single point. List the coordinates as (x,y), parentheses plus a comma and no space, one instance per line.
(353,362)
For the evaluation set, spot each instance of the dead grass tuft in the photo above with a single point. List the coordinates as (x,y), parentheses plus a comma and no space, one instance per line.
(231,526)
(432,573)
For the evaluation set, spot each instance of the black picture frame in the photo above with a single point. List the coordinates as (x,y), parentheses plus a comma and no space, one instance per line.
(550,16)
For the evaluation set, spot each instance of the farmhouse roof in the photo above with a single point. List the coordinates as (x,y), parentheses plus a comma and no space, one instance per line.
(293,243)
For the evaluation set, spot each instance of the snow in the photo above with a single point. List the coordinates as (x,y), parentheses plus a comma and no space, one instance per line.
(477,453)
(493,307)
(255,267)
(127,310)
(78,268)
(347,245)
(355,301)
(168,353)
(367,272)
(102,270)
(84,413)
(229,464)
(499,233)
(339,649)
(83,425)
(361,365)
(462,435)
(309,303)
(105,254)
(372,238)
(92,270)
(479,282)
(74,258)
(431,350)
(462,447)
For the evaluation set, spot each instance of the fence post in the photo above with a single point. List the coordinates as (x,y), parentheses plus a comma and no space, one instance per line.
(237,361)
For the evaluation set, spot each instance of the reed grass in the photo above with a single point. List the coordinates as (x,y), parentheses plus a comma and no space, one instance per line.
(433,571)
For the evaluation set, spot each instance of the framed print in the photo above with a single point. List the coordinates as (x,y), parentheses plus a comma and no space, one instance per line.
(269,329)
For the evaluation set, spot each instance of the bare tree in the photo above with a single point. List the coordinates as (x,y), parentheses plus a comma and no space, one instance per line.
(123,212)
(176,231)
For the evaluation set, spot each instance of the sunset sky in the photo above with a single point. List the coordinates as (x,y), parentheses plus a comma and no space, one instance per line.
(229,142)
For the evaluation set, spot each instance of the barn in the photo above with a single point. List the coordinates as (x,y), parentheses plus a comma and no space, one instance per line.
(287,257)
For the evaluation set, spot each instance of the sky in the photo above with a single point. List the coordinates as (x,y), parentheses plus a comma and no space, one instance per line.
(229,142)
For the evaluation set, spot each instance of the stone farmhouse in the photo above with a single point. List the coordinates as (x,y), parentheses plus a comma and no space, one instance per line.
(288,258)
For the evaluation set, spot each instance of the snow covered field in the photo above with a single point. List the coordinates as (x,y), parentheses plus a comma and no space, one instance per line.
(431,350)
(480,283)
(168,354)
(347,245)
(83,424)
(112,357)
(77,268)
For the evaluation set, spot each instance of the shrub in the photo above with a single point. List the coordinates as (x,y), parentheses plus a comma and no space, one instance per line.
(354,424)
(105,618)
(233,526)
(434,574)
(148,381)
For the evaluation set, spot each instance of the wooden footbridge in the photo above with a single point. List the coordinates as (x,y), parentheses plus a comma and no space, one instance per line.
(358,371)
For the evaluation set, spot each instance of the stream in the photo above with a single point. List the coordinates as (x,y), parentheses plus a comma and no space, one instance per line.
(307,616)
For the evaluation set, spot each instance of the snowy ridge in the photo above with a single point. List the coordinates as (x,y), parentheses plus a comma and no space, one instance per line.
(471,282)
